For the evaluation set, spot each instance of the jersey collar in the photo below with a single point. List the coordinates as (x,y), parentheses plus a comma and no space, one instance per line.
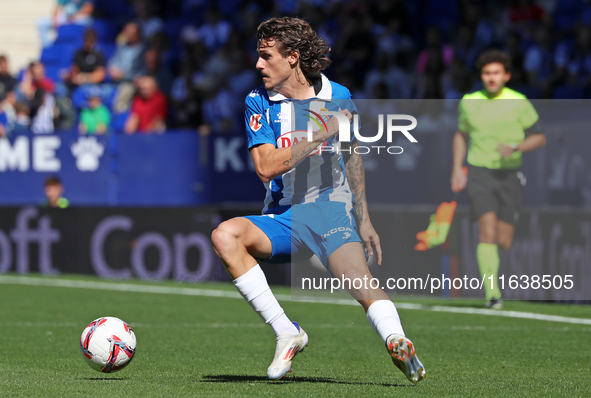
(325,92)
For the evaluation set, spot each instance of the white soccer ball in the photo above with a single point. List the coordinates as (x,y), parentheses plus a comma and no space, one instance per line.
(108,344)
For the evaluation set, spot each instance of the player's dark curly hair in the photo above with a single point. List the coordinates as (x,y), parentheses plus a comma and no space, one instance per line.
(294,34)
(490,56)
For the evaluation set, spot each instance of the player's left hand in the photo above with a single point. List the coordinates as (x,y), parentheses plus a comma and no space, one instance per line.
(505,150)
(370,239)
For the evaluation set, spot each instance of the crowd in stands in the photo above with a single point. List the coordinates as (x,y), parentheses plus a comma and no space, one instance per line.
(145,66)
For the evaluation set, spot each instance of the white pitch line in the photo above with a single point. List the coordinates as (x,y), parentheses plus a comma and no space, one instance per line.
(127,287)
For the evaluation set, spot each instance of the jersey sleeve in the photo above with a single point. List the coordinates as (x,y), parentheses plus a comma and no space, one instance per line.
(258,130)
(528,115)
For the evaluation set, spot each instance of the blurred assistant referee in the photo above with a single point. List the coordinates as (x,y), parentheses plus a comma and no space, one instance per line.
(496,125)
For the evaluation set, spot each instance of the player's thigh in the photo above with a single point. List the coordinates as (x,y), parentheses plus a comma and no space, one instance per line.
(247,234)
(349,261)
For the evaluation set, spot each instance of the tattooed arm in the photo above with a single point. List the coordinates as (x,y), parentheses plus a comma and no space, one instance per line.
(271,162)
(356,175)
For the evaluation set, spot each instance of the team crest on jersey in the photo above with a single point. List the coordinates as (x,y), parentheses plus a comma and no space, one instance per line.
(255,122)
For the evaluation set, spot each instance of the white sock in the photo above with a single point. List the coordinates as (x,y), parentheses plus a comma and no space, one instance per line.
(254,288)
(383,319)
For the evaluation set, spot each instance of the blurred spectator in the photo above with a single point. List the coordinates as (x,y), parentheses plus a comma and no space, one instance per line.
(514,48)
(126,64)
(148,109)
(150,24)
(432,62)
(483,30)
(456,80)
(22,121)
(183,96)
(525,12)
(579,66)
(436,53)
(34,79)
(65,12)
(154,67)
(466,48)
(89,63)
(540,64)
(7,81)
(213,33)
(96,118)
(394,42)
(355,46)
(221,109)
(4,132)
(127,61)
(7,107)
(395,80)
(54,191)
(43,111)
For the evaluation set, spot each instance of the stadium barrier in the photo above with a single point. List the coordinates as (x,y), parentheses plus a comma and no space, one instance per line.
(174,243)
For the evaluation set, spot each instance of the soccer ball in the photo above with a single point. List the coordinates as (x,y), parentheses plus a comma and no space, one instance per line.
(108,344)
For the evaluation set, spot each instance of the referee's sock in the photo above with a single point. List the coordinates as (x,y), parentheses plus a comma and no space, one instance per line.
(488,263)
(254,288)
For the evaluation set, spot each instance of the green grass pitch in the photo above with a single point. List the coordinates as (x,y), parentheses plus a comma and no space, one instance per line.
(217,346)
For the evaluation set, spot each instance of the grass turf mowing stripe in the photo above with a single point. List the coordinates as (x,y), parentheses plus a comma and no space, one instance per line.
(474,328)
(125,287)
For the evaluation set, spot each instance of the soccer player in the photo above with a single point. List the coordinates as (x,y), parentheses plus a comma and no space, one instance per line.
(501,124)
(309,193)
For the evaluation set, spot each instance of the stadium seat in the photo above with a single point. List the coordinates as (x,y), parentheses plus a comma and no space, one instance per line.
(106,48)
(73,34)
(118,121)
(53,72)
(59,55)
(79,98)
(106,30)
(568,92)
(114,9)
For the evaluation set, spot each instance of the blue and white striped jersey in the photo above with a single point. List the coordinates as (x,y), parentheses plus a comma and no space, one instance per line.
(274,119)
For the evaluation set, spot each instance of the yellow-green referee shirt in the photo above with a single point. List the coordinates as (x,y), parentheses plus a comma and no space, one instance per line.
(489,122)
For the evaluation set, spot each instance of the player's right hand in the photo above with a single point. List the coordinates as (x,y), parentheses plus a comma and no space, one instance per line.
(459,179)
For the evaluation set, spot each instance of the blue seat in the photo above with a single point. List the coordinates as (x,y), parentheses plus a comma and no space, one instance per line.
(53,72)
(73,34)
(106,48)
(59,55)
(118,121)
(106,30)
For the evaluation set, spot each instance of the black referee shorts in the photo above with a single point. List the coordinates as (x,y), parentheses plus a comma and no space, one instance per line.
(500,191)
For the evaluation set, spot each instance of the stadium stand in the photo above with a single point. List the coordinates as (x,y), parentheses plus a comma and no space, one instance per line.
(192,39)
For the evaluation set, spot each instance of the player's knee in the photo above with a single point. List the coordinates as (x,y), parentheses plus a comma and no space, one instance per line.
(487,236)
(505,244)
(224,237)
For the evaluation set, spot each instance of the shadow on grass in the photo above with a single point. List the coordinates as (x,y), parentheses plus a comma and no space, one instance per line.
(293,379)
(104,378)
